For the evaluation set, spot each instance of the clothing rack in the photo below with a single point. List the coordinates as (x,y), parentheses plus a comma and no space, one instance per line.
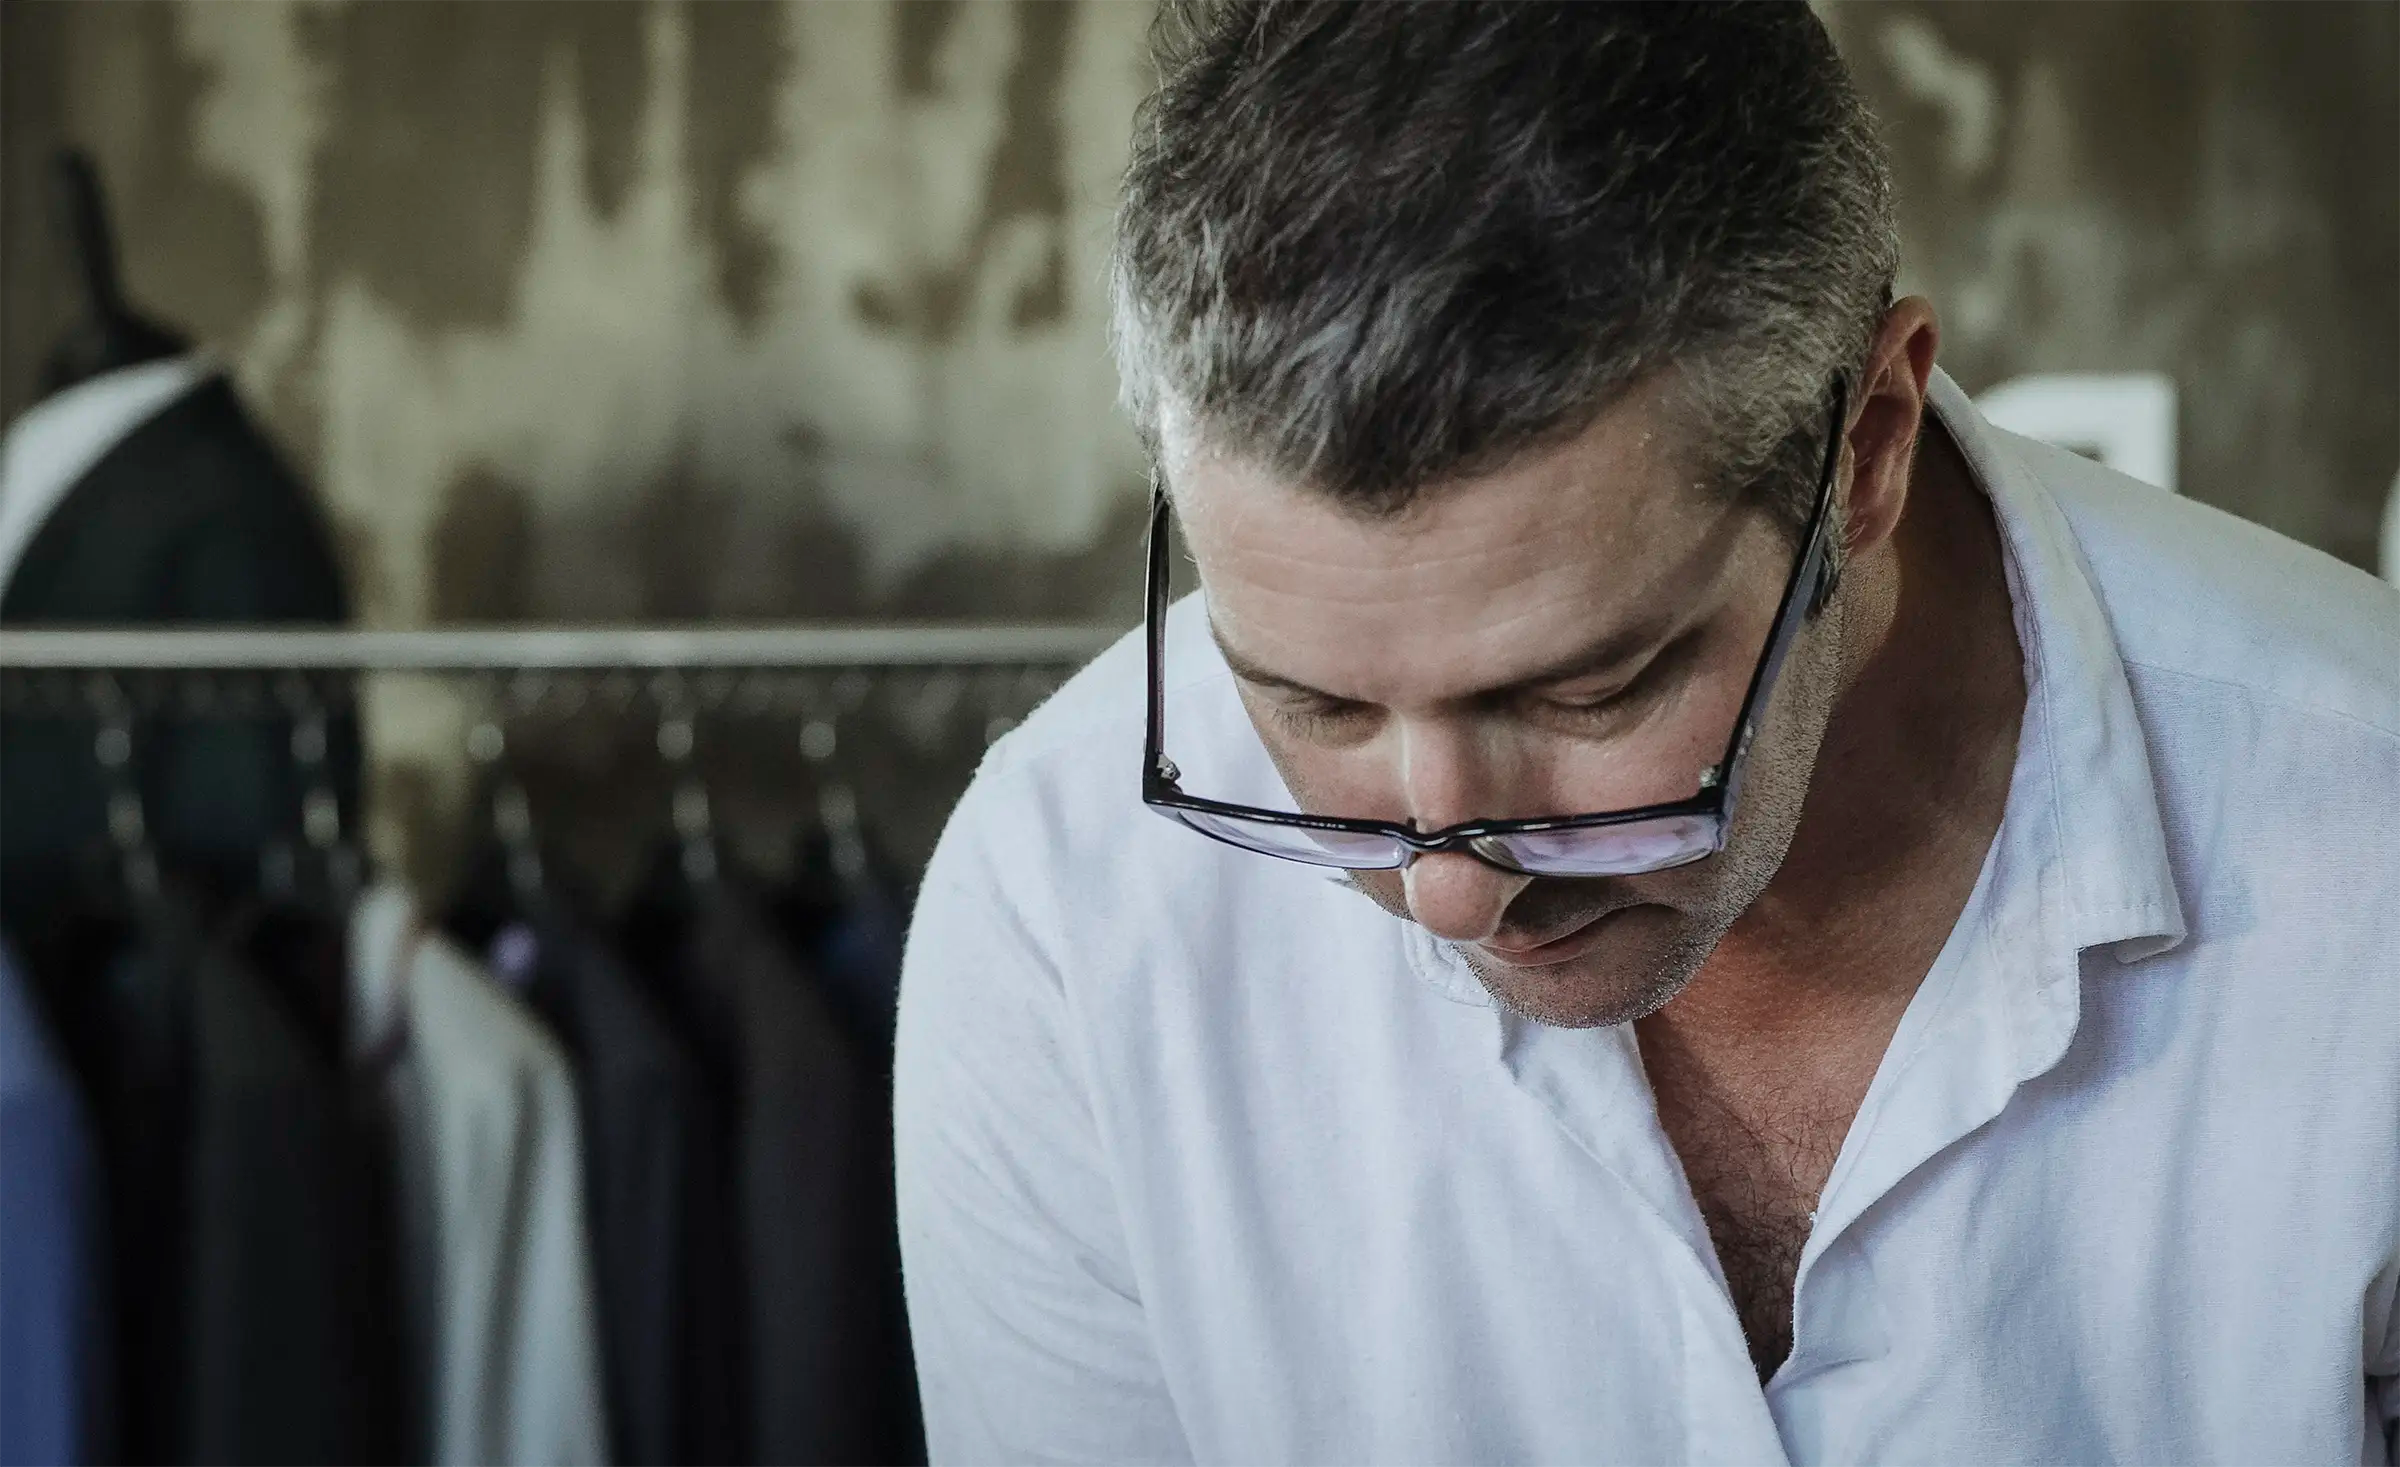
(550,648)
(750,1047)
(925,675)
(813,670)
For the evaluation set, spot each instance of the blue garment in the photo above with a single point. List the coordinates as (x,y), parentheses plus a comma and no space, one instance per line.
(48,1195)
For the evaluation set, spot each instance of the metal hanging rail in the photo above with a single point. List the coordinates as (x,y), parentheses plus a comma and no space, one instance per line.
(542,648)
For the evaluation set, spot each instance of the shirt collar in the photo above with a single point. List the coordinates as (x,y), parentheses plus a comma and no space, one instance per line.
(2107,850)
(59,439)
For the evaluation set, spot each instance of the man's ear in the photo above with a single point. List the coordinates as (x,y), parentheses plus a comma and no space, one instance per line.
(1889,409)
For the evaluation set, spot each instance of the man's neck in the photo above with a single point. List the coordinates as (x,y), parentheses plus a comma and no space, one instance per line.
(1909,788)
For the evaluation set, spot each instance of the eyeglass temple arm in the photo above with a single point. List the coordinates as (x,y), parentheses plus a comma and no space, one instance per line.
(1807,576)
(1154,629)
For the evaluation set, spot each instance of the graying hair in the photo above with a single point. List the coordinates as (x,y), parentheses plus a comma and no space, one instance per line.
(1376,247)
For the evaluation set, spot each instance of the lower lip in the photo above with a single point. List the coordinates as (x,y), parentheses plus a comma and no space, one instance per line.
(1556,950)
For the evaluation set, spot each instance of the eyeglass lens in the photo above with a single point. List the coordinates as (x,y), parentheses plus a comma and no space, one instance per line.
(1610,850)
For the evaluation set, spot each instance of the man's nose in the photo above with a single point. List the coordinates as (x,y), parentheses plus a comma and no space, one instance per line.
(1458,897)
(1450,776)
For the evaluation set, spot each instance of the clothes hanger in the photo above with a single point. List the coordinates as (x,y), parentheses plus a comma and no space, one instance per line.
(137,868)
(294,928)
(695,822)
(108,336)
(508,879)
(138,902)
(685,870)
(320,873)
(845,906)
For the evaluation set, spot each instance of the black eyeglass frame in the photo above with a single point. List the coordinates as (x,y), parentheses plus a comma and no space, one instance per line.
(1714,801)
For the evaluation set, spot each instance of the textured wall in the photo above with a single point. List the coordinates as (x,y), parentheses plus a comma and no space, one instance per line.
(744,309)
(2211,191)
(611,310)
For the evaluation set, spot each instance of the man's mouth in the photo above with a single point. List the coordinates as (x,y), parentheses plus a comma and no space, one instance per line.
(1546,951)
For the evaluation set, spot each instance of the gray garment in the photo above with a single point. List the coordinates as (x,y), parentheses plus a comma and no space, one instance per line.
(642,1110)
(495,1255)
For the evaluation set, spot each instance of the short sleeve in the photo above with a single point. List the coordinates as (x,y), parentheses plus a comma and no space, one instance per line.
(1030,1338)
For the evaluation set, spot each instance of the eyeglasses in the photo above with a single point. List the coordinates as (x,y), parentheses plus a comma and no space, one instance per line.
(1607,843)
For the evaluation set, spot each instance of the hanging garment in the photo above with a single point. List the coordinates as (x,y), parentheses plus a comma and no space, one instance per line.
(50,1286)
(141,497)
(244,1294)
(490,1176)
(283,1291)
(120,997)
(849,919)
(299,953)
(639,1097)
(812,1188)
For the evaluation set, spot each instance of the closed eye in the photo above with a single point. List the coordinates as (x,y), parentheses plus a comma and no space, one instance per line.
(1314,715)
(1628,701)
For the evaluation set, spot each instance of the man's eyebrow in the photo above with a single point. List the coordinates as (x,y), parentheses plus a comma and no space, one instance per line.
(1250,672)
(1612,649)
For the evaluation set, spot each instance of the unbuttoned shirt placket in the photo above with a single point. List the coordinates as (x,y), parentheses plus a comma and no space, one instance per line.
(1955,1060)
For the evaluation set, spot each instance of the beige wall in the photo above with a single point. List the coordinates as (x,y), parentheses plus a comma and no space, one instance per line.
(2210,191)
(612,310)
(741,309)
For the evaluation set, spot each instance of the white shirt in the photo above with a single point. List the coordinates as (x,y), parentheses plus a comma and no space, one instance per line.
(1202,1156)
(54,443)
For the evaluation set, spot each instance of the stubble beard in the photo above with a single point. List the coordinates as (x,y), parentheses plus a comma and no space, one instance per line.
(1603,987)
(1669,924)
(1655,950)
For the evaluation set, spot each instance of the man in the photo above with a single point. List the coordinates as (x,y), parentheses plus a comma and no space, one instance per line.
(1964,1023)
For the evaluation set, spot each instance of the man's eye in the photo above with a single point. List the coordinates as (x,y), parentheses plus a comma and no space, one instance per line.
(1586,702)
(1628,701)
(1606,711)
(1319,715)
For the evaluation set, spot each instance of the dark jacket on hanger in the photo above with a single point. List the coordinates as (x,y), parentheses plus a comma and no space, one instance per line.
(292,1296)
(191,517)
(790,1290)
(250,1293)
(639,1095)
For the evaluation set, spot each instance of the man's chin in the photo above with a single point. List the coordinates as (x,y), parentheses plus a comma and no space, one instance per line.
(1638,958)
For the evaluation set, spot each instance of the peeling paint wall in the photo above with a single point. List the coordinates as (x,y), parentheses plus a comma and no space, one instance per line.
(747,309)
(600,310)
(611,310)
(2211,191)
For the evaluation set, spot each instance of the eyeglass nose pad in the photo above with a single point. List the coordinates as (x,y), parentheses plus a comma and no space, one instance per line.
(1486,848)
(1494,851)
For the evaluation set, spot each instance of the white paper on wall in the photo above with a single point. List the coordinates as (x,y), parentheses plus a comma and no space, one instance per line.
(2126,420)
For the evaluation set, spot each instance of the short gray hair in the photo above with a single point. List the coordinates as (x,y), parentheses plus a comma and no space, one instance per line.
(1379,246)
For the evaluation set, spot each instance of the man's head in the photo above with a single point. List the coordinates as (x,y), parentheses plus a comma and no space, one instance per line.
(1485,348)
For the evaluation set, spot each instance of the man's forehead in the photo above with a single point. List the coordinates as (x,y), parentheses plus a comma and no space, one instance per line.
(1621,485)
(1637,449)
(1580,545)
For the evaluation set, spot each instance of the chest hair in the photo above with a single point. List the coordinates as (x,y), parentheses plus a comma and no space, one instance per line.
(1756,1179)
